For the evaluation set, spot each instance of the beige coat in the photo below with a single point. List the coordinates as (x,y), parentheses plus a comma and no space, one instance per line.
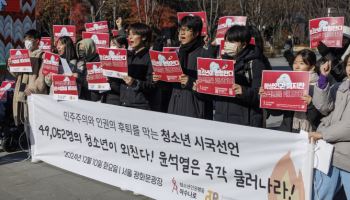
(334,101)
(33,81)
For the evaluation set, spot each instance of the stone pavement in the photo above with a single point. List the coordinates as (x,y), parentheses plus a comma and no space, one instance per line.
(22,180)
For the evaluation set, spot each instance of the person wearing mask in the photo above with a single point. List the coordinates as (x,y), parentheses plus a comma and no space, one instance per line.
(243,109)
(184,101)
(28,83)
(86,50)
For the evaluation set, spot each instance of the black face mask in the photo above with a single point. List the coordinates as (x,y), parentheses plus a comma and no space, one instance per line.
(82,54)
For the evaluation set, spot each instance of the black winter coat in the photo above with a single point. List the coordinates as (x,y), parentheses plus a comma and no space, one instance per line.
(184,101)
(141,93)
(83,89)
(113,96)
(243,109)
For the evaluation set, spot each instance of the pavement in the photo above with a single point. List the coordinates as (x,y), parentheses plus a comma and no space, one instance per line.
(23,180)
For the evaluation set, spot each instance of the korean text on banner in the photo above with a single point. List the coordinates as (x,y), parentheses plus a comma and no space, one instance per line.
(149,153)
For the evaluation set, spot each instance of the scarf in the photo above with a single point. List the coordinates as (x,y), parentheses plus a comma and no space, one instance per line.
(186,49)
(300,121)
(22,82)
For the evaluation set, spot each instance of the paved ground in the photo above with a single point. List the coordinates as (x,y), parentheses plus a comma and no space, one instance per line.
(22,180)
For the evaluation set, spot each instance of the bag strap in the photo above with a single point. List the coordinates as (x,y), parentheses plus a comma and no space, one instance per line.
(249,71)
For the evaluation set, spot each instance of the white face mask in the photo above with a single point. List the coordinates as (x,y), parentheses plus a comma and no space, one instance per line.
(233,48)
(28,44)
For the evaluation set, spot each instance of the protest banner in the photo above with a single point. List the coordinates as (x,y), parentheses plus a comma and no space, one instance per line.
(329,30)
(97,27)
(283,90)
(45,44)
(225,23)
(64,30)
(114,62)
(101,40)
(150,154)
(64,87)
(169,49)
(4,88)
(20,61)
(115,32)
(50,63)
(95,78)
(167,65)
(216,77)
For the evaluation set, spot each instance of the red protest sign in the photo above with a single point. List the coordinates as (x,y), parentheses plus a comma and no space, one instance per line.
(64,30)
(329,30)
(170,49)
(97,27)
(222,46)
(45,44)
(50,63)
(101,40)
(10,6)
(283,90)
(64,87)
(95,78)
(216,77)
(202,15)
(6,86)
(114,62)
(167,65)
(226,22)
(115,32)
(20,61)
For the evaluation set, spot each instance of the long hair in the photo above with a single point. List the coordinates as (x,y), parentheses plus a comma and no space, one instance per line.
(69,51)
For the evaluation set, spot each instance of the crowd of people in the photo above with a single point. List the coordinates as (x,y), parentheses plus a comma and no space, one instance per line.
(328,100)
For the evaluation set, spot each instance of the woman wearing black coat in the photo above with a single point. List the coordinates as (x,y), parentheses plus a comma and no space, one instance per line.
(113,96)
(249,64)
(137,88)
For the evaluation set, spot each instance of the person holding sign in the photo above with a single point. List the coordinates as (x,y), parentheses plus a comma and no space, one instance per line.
(244,108)
(294,121)
(28,83)
(136,88)
(336,55)
(113,96)
(86,51)
(184,101)
(68,59)
(333,101)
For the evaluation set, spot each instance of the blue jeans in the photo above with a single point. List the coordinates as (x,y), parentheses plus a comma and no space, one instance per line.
(326,186)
